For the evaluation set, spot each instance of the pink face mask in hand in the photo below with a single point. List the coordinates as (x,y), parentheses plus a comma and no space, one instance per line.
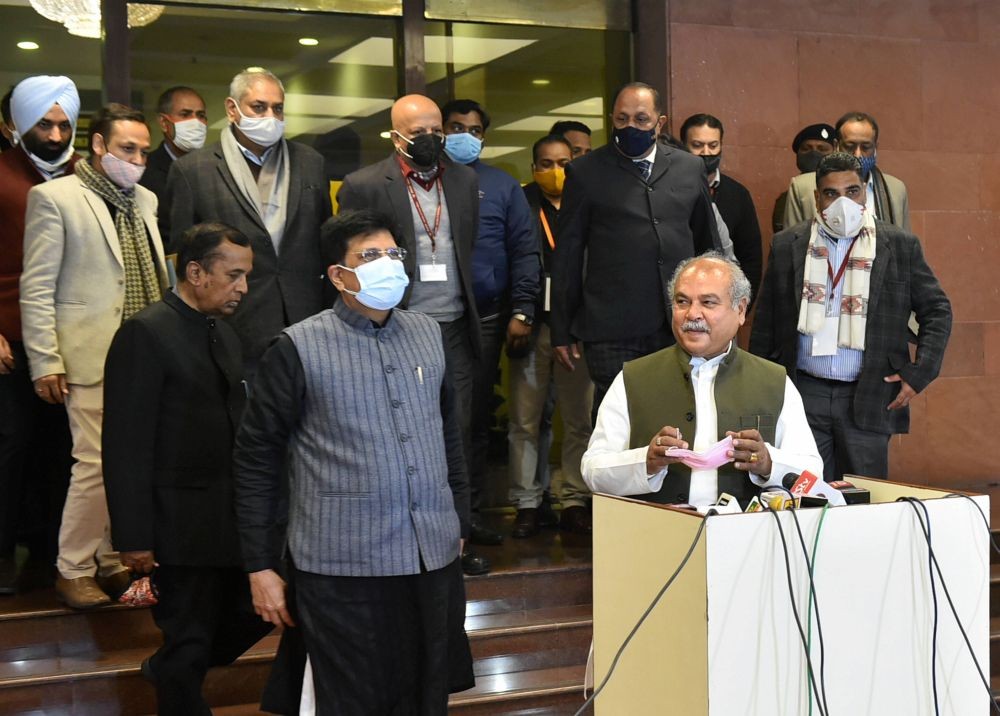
(715,456)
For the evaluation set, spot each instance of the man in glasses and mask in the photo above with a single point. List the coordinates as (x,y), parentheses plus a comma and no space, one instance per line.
(631,211)
(274,191)
(434,202)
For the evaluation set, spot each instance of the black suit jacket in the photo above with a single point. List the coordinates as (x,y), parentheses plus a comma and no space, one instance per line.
(158,165)
(282,289)
(736,207)
(173,397)
(901,282)
(620,239)
(381,187)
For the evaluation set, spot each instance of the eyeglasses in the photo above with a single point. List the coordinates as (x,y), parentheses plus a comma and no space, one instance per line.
(396,253)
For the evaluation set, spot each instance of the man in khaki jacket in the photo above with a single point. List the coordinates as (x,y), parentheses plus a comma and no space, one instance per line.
(92,258)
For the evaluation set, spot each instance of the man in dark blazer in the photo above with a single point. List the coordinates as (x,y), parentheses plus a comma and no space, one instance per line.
(631,211)
(434,203)
(174,395)
(184,123)
(855,392)
(272,190)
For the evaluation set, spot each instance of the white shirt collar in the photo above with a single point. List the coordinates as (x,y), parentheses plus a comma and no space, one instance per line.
(697,362)
(715,179)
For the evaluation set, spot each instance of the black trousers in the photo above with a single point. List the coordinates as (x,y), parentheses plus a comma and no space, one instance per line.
(494,334)
(35,461)
(207,619)
(606,358)
(385,646)
(462,366)
(844,447)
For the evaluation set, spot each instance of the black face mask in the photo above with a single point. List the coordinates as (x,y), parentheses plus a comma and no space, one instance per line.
(809,161)
(425,149)
(633,142)
(712,162)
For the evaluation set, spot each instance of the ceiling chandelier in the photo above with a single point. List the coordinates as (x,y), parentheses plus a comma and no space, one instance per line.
(83,17)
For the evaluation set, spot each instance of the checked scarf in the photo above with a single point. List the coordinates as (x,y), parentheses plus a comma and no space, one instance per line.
(142,286)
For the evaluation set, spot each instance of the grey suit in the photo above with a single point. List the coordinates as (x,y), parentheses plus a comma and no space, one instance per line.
(901,282)
(283,288)
(801,203)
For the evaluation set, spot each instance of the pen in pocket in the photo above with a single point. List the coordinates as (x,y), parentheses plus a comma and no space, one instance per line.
(420,374)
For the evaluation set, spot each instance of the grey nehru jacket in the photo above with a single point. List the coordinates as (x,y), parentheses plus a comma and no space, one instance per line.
(441,300)
(362,418)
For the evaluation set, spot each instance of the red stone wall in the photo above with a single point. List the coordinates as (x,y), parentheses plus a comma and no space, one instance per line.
(929,71)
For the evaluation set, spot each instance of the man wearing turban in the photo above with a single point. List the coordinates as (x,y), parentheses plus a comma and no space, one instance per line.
(34,435)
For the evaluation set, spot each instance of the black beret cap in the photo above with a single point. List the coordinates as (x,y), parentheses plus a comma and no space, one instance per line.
(822,132)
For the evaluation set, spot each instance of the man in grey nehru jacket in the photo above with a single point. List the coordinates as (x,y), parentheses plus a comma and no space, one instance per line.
(356,406)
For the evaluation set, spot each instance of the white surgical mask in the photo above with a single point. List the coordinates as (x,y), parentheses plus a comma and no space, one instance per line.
(383,282)
(125,174)
(190,134)
(264,131)
(843,219)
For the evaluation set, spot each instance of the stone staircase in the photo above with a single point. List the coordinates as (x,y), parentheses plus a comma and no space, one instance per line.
(529,624)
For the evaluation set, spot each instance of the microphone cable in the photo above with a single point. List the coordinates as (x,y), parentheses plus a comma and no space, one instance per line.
(795,613)
(913,502)
(989,530)
(649,609)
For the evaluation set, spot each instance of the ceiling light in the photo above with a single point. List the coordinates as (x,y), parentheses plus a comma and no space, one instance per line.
(385,135)
(28,45)
(83,17)
(540,81)
(308,41)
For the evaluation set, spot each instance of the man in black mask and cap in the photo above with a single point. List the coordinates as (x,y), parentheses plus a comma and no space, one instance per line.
(811,144)
(435,205)
(631,211)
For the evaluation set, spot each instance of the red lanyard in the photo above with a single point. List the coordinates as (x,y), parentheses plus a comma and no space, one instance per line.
(423,217)
(548,231)
(843,265)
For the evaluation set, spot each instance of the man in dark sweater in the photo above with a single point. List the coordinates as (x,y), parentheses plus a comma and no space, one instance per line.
(702,135)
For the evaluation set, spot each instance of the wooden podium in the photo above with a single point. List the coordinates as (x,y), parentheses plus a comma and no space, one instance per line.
(723,640)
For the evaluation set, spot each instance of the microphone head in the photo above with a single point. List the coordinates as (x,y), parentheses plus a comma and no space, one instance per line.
(788,480)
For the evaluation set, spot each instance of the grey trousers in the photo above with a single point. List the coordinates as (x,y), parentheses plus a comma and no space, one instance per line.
(529,388)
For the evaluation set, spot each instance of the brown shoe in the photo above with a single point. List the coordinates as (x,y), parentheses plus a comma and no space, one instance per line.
(115,585)
(525,523)
(576,520)
(80,593)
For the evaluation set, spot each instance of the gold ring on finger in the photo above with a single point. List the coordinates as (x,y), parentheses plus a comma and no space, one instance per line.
(754,457)
(658,443)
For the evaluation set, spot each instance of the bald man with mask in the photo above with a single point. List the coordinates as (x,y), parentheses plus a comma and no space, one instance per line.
(434,203)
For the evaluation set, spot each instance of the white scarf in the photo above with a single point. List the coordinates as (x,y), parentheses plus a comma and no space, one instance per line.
(854,297)
(273,184)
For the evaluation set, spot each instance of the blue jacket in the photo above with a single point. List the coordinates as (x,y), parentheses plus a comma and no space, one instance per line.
(505,259)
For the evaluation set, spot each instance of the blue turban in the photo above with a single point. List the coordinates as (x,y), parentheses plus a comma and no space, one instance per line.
(33,98)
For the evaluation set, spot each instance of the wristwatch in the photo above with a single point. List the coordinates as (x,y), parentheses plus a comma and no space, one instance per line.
(526,320)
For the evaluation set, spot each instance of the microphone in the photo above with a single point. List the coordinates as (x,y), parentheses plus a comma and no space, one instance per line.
(852,495)
(808,484)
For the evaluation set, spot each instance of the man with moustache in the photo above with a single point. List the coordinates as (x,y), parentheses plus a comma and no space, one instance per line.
(631,211)
(34,435)
(274,191)
(184,123)
(434,203)
(173,397)
(92,259)
(534,371)
(693,394)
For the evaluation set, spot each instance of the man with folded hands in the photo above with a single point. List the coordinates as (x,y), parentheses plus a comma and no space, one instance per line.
(692,395)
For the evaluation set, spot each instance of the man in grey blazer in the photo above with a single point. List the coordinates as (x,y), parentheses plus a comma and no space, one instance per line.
(273,191)
(92,258)
(857,134)
(833,309)
(434,204)
(356,405)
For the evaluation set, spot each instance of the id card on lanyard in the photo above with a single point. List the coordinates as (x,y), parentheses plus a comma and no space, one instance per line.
(825,341)
(552,245)
(432,271)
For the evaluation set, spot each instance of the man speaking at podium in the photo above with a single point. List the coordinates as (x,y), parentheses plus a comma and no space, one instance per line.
(693,395)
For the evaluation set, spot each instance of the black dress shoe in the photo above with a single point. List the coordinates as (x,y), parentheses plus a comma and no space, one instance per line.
(473,564)
(525,523)
(481,534)
(547,517)
(8,575)
(576,520)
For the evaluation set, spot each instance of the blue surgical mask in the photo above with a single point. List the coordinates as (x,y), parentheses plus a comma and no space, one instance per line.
(383,282)
(867,164)
(463,148)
